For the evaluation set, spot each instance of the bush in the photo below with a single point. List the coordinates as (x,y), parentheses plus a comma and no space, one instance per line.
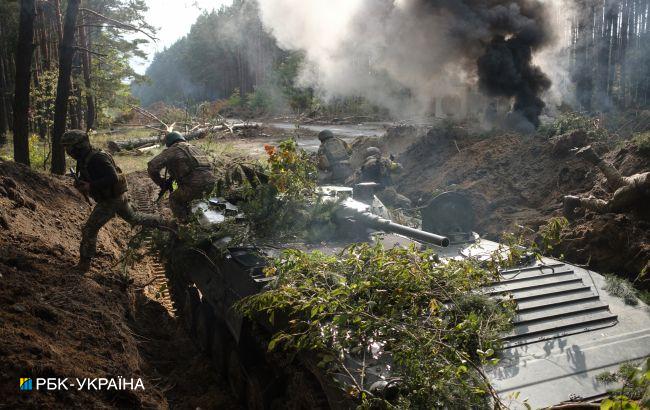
(420,310)
(235,99)
(642,141)
(635,391)
(571,122)
(38,152)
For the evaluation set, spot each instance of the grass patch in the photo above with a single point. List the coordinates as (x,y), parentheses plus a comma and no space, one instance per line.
(624,289)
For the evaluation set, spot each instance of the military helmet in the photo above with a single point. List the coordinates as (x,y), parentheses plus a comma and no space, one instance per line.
(74,137)
(373,152)
(172,137)
(325,135)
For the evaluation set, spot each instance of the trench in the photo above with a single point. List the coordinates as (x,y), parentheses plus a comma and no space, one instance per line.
(171,358)
(189,351)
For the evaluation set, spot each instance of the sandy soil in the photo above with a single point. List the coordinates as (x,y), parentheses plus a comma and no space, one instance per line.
(56,323)
(518,180)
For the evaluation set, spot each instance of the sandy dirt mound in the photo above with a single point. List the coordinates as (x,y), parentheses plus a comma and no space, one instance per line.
(520,180)
(612,243)
(56,323)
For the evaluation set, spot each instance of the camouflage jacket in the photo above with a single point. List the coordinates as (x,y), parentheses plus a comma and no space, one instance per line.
(105,178)
(379,170)
(332,152)
(181,161)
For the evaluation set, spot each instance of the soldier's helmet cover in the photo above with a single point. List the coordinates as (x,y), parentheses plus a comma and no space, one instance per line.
(74,137)
(172,137)
(325,135)
(373,152)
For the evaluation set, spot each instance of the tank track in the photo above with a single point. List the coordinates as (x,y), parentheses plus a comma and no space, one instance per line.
(142,201)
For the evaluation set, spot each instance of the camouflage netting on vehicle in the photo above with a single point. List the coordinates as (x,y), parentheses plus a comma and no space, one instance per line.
(369,301)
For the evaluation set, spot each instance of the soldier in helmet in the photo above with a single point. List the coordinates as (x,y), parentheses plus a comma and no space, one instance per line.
(629,192)
(333,159)
(189,167)
(380,170)
(102,180)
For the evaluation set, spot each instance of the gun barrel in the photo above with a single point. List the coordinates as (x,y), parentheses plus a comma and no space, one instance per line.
(377,222)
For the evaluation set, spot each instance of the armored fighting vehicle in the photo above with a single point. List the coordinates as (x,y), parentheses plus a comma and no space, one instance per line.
(566,331)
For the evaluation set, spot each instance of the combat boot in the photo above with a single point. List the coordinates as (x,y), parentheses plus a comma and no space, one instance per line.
(588,154)
(569,205)
(83,265)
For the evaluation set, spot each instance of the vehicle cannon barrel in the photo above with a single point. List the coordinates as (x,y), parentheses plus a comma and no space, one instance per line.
(386,225)
(359,212)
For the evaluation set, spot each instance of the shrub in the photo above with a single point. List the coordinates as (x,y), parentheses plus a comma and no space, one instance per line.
(38,152)
(420,310)
(571,122)
(642,141)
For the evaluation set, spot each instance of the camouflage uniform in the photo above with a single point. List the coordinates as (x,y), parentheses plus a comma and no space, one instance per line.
(632,192)
(629,191)
(108,188)
(192,171)
(334,161)
(380,170)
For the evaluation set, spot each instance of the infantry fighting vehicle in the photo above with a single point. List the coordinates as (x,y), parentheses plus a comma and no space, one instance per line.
(566,331)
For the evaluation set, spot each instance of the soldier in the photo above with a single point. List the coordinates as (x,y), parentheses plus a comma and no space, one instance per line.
(380,170)
(189,167)
(629,191)
(102,180)
(333,159)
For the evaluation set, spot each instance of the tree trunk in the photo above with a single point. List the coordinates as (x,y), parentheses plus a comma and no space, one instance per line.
(3,117)
(66,52)
(24,51)
(86,65)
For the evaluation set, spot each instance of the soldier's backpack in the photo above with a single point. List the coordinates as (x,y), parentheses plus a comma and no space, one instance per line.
(195,159)
(120,186)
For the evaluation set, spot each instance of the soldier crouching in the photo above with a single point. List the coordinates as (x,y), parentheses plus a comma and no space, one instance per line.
(186,165)
(380,170)
(103,181)
(333,159)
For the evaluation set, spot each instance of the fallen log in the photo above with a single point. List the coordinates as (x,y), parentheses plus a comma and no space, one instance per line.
(117,146)
(198,133)
(202,132)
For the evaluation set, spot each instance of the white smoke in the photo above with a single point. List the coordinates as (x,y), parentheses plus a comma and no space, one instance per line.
(397,53)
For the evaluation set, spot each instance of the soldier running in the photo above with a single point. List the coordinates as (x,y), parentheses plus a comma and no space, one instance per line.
(333,159)
(380,170)
(189,167)
(629,191)
(103,181)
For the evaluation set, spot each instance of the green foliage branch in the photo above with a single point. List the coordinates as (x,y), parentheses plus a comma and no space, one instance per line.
(634,393)
(427,313)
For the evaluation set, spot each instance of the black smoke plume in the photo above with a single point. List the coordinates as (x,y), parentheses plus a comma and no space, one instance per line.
(430,48)
(515,29)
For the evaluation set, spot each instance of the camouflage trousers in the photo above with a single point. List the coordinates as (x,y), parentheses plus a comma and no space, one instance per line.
(194,187)
(103,212)
(632,191)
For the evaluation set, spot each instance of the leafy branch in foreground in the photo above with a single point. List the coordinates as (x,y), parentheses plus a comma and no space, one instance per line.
(635,391)
(426,314)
